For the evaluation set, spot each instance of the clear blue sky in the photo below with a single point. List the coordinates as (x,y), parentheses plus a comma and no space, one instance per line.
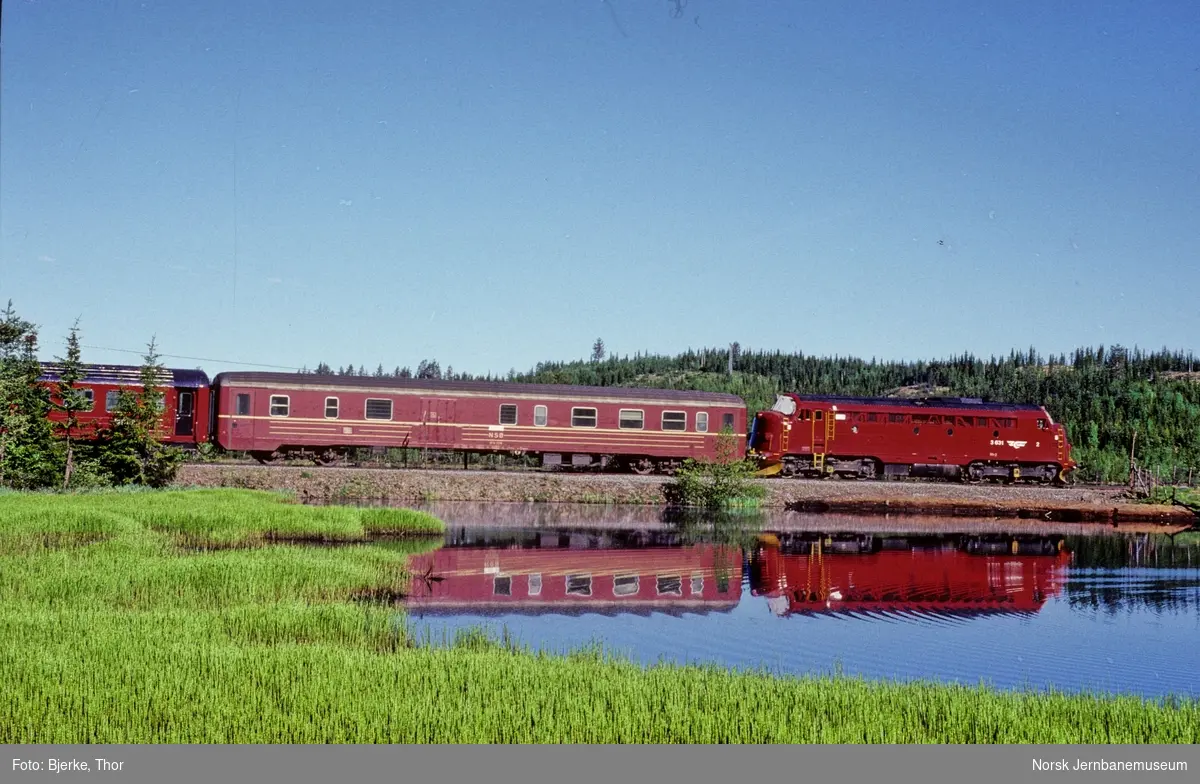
(492,184)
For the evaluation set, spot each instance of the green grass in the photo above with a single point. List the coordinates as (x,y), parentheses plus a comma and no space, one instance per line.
(1184,496)
(180,617)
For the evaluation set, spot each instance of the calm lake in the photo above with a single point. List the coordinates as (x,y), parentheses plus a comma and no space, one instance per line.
(1008,603)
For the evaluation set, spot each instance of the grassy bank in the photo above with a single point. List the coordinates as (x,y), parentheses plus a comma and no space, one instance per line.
(185,617)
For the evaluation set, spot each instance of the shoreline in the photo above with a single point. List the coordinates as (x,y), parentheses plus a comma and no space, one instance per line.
(1106,505)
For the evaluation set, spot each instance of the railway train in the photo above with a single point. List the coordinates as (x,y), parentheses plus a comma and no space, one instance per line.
(272,416)
(806,575)
(568,573)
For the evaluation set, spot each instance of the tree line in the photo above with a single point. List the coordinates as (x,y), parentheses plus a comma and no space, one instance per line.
(38,451)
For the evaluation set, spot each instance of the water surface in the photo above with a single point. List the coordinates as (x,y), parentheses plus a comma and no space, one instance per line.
(1000,602)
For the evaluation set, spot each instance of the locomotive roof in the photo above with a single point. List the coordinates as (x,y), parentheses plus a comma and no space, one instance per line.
(127,375)
(493,387)
(921,402)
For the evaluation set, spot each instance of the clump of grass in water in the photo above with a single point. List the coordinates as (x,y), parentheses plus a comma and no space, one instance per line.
(131,639)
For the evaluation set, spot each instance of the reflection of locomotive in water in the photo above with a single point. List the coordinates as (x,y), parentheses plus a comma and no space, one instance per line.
(942,575)
(575,573)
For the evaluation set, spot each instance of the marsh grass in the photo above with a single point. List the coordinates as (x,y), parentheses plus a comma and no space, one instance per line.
(184,618)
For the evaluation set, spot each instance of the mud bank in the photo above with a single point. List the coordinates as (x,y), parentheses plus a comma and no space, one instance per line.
(1074,504)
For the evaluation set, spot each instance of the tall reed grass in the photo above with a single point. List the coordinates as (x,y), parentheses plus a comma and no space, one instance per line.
(181,618)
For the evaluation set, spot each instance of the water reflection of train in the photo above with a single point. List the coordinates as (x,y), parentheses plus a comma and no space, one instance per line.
(938,575)
(573,573)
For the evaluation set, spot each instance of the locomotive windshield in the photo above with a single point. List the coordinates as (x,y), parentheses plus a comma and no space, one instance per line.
(784,405)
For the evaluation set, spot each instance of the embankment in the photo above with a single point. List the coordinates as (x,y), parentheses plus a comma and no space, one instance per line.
(1071,504)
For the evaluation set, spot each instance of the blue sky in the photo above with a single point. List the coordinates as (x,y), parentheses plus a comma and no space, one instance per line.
(493,184)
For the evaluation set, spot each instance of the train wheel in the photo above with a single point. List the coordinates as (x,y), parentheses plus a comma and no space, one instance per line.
(326,458)
(264,458)
(641,467)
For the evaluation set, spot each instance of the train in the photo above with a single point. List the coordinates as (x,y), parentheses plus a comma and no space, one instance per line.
(570,573)
(275,416)
(975,575)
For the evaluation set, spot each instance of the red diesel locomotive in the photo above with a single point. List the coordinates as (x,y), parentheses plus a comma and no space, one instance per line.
(820,579)
(952,438)
(273,415)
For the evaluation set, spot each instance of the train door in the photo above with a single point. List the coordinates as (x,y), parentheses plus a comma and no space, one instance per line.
(818,432)
(241,421)
(437,417)
(185,412)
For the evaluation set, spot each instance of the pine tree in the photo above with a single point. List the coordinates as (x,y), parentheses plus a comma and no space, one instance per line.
(25,438)
(131,449)
(71,400)
(598,350)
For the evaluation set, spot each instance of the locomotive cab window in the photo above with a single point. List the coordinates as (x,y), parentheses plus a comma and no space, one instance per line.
(241,405)
(539,416)
(631,419)
(280,405)
(508,414)
(378,408)
(701,421)
(727,421)
(674,420)
(583,417)
(1041,424)
(331,408)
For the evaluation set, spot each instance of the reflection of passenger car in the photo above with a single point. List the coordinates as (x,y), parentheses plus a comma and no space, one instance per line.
(185,399)
(885,437)
(274,414)
(933,575)
(565,575)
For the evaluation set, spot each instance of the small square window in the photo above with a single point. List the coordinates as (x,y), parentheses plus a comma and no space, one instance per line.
(280,405)
(539,416)
(89,395)
(697,584)
(242,406)
(727,421)
(331,408)
(112,400)
(378,409)
(625,585)
(672,584)
(631,419)
(674,420)
(579,585)
(701,421)
(508,414)
(583,417)
(535,584)
(502,586)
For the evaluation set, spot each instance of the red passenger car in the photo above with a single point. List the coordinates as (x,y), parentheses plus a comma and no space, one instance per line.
(891,437)
(271,415)
(185,399)
(575,579)
(905,580)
